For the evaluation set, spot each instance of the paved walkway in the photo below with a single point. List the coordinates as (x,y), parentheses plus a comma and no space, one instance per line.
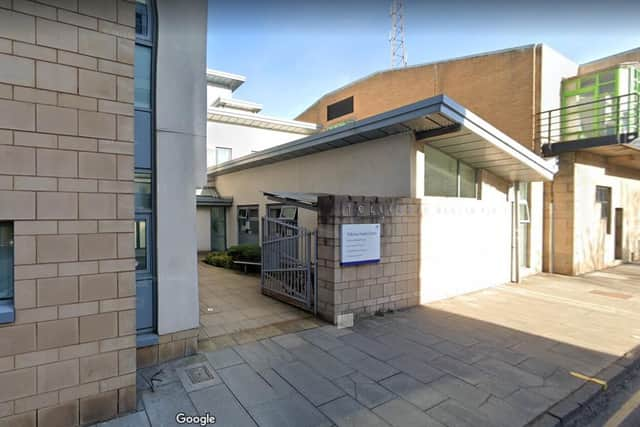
(499,357)
(231,303)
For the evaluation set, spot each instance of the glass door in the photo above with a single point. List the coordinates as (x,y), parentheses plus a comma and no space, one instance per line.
(218,228)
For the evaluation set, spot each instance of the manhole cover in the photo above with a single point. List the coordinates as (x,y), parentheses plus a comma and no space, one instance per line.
(199,374)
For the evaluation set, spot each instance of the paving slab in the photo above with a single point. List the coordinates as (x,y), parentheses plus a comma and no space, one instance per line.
(370,346)
(137,419)
(248,386)
(320,339)
(224,358)
(314,387)
(452,413)
(167,401)
(288,411)
(408,347)
(469,373)
(413,391)
(364,390)
(503,414)
(263,354)
(460,390)
(509,373)
(399,413)
(222,404)
(363,363)
(346,412)
(416,368)
(325,364)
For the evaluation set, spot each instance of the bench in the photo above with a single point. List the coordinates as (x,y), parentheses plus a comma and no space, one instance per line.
(246,264)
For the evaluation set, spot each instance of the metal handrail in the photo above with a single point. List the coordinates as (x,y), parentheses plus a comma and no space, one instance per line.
(615,115)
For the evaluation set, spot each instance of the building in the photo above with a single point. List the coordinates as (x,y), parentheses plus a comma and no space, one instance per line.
(596,190)
(460,194)
(474,175)
(235,128)
(98,169)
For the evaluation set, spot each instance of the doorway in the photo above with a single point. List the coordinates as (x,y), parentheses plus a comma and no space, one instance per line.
(218,228)
(619,230)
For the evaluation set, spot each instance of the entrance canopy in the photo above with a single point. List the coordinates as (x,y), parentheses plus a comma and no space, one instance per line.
(301,200)
(438,121)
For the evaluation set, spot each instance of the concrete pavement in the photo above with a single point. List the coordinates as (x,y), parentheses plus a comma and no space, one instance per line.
(506,356)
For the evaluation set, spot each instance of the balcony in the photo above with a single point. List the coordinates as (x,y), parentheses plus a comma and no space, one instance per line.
(607,126)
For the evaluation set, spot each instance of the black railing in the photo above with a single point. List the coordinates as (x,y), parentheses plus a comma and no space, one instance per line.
(615,116)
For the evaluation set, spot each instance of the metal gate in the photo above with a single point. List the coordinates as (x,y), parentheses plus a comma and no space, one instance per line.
(289,255)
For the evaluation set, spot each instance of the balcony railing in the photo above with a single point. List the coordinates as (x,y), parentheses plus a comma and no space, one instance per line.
(611,118)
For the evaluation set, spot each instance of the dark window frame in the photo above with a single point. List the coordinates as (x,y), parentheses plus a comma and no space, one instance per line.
(341,108)
(603,198)
(11,244)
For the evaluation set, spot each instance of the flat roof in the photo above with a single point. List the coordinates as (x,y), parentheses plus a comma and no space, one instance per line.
(222,78)
(225,115)
(437,121)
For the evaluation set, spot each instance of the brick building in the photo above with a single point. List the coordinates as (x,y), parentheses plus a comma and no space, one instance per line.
(84,209)
(589,219)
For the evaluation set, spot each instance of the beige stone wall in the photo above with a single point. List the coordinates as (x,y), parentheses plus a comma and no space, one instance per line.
(66,179)
(169,347)
(577,241)
(594,247)
(364,289)
(501,87)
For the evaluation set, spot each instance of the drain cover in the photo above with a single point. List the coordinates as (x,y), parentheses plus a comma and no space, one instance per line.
(199,374)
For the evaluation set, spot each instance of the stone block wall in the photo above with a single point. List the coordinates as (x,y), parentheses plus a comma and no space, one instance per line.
(66,183)
(364,289)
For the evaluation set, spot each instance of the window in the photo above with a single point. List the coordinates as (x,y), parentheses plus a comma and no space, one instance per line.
(603,197)
(6,260)
(222,155)
(340,108)
(445,176)
(143,191)
(248,224)
(140,238)
(143,19)
(524,223)
(7,313)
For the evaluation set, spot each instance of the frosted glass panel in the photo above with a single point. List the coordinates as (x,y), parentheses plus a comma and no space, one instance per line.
(142,77)
(440,174)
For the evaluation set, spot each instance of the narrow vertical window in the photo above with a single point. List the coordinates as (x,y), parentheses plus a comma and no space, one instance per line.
(6,272)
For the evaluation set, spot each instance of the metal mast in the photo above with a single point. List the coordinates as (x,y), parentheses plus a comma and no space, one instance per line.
(396,37)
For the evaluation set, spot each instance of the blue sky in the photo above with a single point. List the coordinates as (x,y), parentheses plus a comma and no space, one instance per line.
(293,52)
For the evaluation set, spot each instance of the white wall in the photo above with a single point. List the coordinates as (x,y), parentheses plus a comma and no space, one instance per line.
(243,140)
(465,246)
(215,92)
(555,67)
(375,168)
(203,218)
(180,154)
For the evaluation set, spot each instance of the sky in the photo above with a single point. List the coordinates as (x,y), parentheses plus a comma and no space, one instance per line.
(293,52)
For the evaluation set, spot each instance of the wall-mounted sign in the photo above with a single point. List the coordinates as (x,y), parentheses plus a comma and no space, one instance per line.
(359,244)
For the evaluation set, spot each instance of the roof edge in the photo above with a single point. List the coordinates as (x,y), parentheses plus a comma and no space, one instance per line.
(424,64)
